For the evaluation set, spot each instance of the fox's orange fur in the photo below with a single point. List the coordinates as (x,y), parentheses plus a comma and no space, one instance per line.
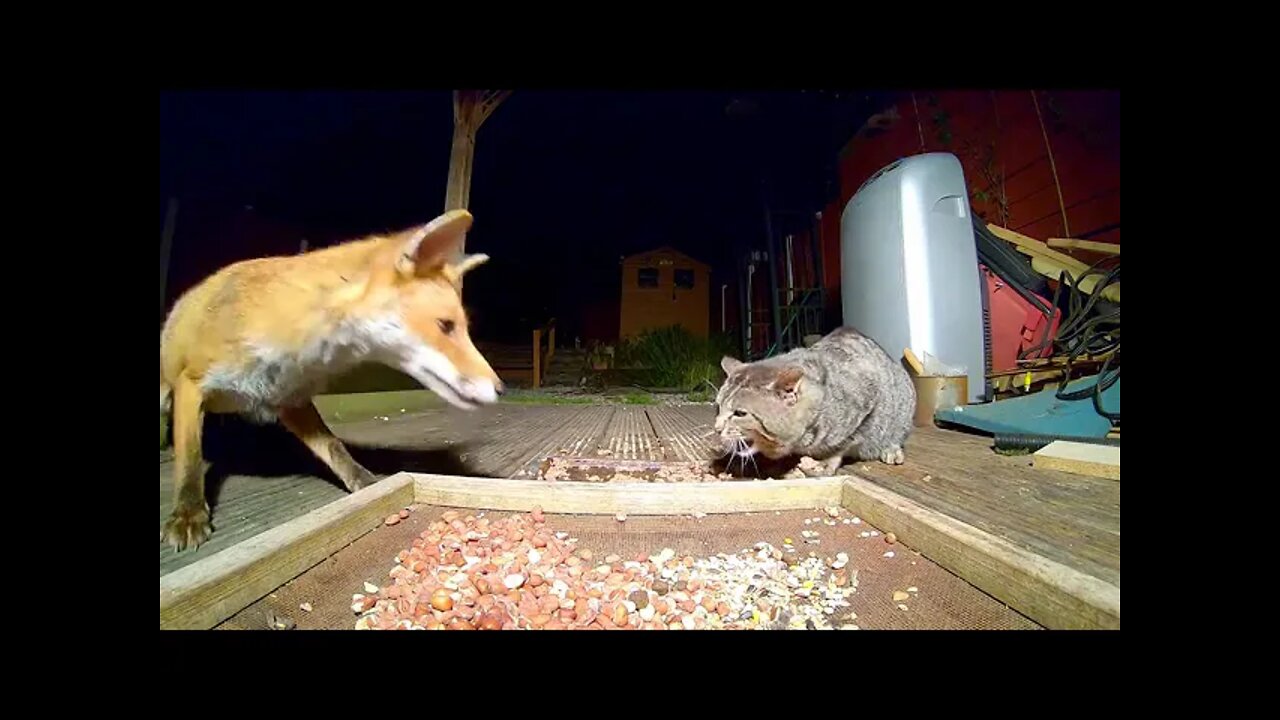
(261,338)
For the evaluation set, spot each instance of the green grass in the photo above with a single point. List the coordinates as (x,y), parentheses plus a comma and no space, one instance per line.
(356,407)
(372,378)
(700,396)
(672,357)
(637,398)
(533,397)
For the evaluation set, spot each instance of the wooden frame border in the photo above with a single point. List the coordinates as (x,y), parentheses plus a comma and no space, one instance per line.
(207,592)
(580,498)
(1050,593)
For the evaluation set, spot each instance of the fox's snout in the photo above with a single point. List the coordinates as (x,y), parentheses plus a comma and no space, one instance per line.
(483,384)
(466,379)
(483,390)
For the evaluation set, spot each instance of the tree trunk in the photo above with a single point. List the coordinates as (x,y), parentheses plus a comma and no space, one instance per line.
(458,193)
(470,109)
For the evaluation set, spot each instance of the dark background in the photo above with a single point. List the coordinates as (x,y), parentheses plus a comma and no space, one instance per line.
(564,183)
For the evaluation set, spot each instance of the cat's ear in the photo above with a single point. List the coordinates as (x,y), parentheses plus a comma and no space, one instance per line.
(728,364)
(787,384)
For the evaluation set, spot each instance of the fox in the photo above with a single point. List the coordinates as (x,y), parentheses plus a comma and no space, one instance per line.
(262,337)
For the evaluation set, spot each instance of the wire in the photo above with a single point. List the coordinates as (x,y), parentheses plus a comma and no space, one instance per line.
(1086,328)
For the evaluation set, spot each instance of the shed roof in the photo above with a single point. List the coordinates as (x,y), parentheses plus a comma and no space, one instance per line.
(669,250)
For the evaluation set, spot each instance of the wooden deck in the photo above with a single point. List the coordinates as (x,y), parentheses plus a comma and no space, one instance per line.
(261,477)
(1072,519)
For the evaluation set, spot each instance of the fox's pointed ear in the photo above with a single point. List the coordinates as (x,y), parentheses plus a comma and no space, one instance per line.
(453,272)
(433,245)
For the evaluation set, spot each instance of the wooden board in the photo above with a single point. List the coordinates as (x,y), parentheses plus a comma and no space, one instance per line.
(1070,519)
(1050,263)
(628,498)
(1101,461)
(1090,245)
(211,590)
(1050,593)
(1052,270)
(1031,246)
(203,594)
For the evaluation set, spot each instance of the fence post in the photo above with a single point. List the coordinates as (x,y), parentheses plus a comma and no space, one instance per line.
(537,358)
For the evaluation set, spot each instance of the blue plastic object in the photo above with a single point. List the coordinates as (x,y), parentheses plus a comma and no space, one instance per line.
(1041,413)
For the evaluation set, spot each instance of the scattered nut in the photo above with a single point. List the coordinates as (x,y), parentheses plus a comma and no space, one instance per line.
(466,573)
(442,600)
(305,607)
(891,538)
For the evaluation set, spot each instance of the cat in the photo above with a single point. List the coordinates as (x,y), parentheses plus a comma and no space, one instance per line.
(842,397)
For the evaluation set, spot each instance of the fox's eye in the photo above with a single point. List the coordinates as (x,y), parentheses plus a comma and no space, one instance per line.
(446,326)
(739,413)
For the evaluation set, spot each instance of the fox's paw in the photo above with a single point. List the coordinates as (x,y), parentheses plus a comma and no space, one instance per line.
(187,527)
(362,479)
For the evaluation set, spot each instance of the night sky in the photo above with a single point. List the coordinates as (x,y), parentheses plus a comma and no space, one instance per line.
(563,185)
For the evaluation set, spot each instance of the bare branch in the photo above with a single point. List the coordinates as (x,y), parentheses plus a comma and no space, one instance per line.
(492,99)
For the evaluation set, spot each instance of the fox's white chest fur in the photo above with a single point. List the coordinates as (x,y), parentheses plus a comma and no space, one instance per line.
(270,377)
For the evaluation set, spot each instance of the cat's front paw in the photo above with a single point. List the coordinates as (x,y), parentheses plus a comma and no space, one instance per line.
(893,456)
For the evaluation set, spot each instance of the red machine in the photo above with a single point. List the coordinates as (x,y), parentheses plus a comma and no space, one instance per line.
(1016,324)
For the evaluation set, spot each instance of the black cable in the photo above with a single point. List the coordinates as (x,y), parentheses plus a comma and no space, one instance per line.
(1081,331)
(1076,312)
(1097,396)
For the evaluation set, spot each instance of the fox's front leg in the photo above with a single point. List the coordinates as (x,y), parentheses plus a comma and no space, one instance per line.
(188,525)
(305,422)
